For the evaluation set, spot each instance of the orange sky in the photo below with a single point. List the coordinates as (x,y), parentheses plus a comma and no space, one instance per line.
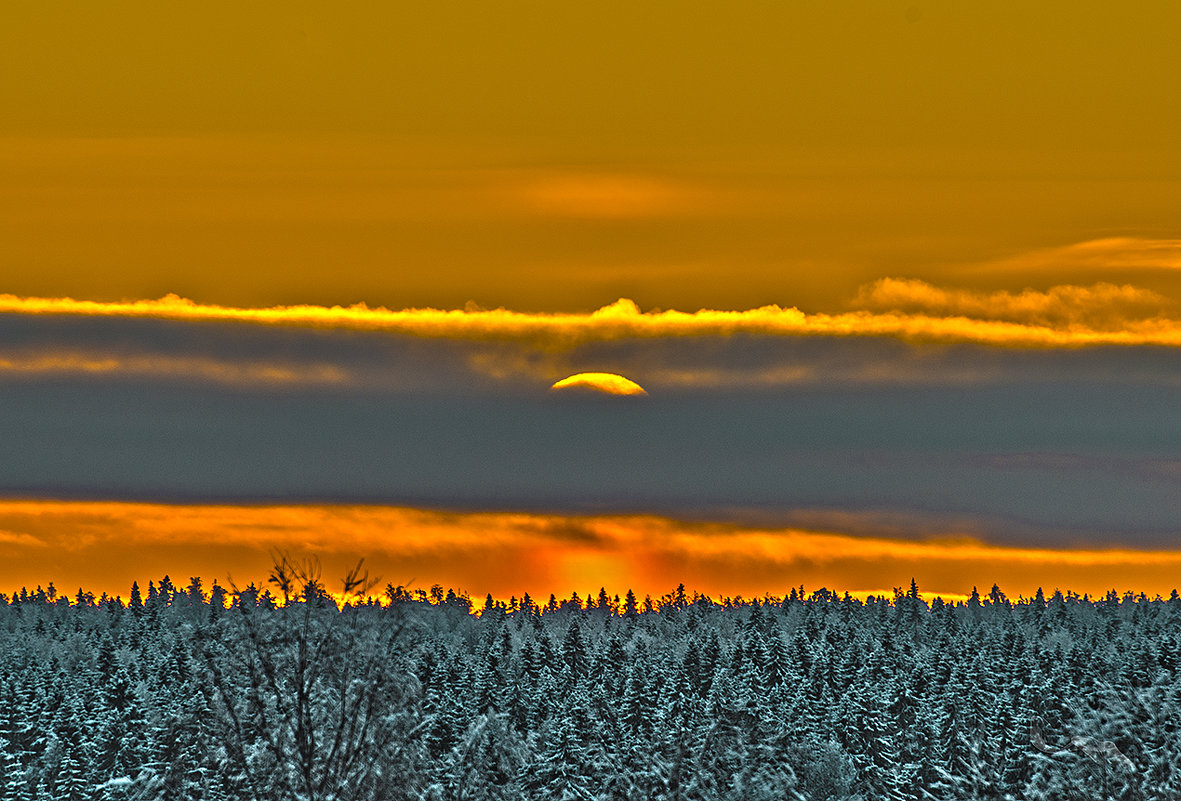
(104,546)
(297,218)
(555,158)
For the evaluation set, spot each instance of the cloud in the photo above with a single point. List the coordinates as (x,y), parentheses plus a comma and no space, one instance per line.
(292,357)
(1007,444)
(624,320)
(756,411)
(105,546)
(20,539)
(1111,255)
(1100,307)
(248,373)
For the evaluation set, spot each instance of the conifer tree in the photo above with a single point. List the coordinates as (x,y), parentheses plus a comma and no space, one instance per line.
(630,606)
(15,781)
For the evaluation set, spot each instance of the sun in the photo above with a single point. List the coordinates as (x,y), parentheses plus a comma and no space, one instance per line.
(605,383)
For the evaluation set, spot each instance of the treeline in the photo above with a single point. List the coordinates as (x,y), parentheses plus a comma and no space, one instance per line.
(286,693)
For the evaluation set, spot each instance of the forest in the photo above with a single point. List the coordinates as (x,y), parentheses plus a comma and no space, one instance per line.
(292,692)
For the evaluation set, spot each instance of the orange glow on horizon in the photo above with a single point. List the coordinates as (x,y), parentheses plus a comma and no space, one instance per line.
(104,546)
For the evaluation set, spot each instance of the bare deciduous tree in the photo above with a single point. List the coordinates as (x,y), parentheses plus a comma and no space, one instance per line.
(312,706)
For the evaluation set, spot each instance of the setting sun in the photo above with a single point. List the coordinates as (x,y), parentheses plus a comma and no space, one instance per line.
(605,383)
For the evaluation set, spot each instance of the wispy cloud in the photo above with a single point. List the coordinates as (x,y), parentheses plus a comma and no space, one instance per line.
(223,371)
(1096,308)
(1112,255)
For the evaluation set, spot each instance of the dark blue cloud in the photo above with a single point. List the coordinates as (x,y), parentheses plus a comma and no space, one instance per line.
(1024,446)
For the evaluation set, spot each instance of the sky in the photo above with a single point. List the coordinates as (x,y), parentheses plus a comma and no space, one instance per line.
(900,281)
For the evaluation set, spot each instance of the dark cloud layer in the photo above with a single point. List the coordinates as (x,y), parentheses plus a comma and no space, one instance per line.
(876,436)
(73,347)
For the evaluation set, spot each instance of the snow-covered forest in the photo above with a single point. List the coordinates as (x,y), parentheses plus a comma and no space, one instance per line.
(199,693)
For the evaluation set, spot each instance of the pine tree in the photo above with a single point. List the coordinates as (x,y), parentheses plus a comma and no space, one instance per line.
(486,765)
(443,731)
(70,782)
(574,651)
(603,603)
(637,709)
(15,781)
(563,770)
(630,607)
